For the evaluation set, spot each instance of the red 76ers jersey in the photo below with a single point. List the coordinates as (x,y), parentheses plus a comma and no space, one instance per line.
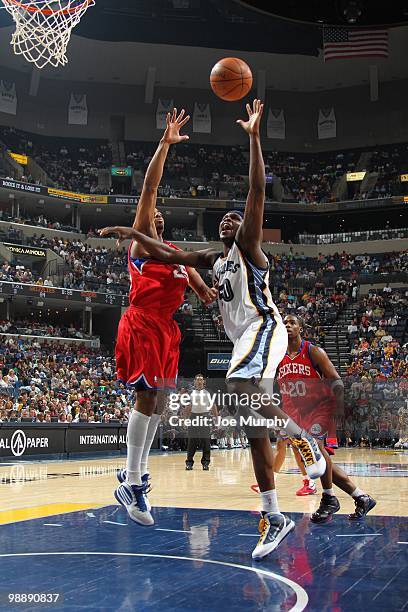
(156,286)
(302,387)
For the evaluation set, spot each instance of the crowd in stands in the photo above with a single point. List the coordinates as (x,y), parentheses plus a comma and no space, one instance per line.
(195,170)
(389,162)
(340,268)
(377,373)
(375,334)
(183,235)
(309,179)
(386,233)
(92,268)
(53,381)
(31,327)
(69,163)
(102,269)
(210,171)
(38,221)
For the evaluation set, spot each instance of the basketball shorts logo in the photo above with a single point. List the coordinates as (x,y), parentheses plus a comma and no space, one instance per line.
(316,429)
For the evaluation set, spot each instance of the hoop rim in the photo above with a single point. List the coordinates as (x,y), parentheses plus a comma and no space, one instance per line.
(34,9)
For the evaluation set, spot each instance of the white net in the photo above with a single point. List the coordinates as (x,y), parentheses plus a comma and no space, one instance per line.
(43,28)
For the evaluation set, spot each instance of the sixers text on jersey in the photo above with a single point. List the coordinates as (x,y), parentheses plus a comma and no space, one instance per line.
(306,396)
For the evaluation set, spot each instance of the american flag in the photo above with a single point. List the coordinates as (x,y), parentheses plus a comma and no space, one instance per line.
(341,43)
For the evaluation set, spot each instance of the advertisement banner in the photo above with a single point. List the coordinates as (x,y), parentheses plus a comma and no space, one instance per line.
(20,159)
(91,438)
(218,361)
(121,171)
(22,441)
(11,184)
(20,249)
(92,198)
(122,438)
(77,197)
(67,195)
(355,176)
(68,295)
(123,199)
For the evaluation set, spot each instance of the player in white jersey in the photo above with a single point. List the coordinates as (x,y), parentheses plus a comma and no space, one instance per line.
(254,325)
(251,319)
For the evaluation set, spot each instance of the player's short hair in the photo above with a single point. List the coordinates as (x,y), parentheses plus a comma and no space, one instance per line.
(236,212)
(299,319)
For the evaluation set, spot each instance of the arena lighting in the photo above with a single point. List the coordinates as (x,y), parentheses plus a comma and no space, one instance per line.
(352,11)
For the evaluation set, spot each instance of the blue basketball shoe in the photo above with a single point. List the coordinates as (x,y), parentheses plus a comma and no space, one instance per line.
(121,475)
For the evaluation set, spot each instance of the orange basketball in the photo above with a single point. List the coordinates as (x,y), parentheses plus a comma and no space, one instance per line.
(231,79)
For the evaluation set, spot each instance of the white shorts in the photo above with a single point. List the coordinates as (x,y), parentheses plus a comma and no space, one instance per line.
(259,350)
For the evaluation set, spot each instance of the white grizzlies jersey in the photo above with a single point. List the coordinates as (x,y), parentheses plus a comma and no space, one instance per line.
(251,319)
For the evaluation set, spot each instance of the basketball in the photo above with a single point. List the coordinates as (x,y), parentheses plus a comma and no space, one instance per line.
(231,79)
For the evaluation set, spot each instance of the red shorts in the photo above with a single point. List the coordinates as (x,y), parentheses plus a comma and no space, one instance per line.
(147,350)
(320,423)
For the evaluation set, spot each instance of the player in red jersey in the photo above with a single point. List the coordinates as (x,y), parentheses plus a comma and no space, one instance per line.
(147,346)
(313,395)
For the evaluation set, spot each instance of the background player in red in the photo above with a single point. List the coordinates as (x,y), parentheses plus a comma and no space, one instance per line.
(147,347)
(313,395)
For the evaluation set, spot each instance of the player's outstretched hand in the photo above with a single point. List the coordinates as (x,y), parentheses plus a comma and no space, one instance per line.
(174,123)
(254,118)
(208,295)
(122,233)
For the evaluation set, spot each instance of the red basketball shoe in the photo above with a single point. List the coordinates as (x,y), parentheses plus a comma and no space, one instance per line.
(308,488)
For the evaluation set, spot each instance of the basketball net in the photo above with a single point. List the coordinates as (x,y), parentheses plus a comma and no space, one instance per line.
(43,28)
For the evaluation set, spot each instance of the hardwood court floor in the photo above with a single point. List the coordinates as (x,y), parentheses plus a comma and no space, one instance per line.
(37,489)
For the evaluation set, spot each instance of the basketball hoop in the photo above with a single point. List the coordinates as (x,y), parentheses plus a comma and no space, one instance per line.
(43,28)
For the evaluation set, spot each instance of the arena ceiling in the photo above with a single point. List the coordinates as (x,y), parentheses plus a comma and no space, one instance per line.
(118,40)
(360,13)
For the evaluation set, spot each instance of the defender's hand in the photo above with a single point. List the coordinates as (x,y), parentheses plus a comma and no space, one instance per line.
(122,233)
(174,124)
(255,113)
(208,295)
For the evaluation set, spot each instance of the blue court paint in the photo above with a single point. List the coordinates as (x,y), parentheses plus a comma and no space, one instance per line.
(366,469)
(195,560)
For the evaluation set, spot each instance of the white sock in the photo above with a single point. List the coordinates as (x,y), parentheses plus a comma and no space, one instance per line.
(151,432)
(270,501)
(136,438)
(328,491)
(292,429)
(357,492)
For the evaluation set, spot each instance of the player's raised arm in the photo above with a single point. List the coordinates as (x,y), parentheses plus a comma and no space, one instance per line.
(144,220)
(161,251)
(249,236)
